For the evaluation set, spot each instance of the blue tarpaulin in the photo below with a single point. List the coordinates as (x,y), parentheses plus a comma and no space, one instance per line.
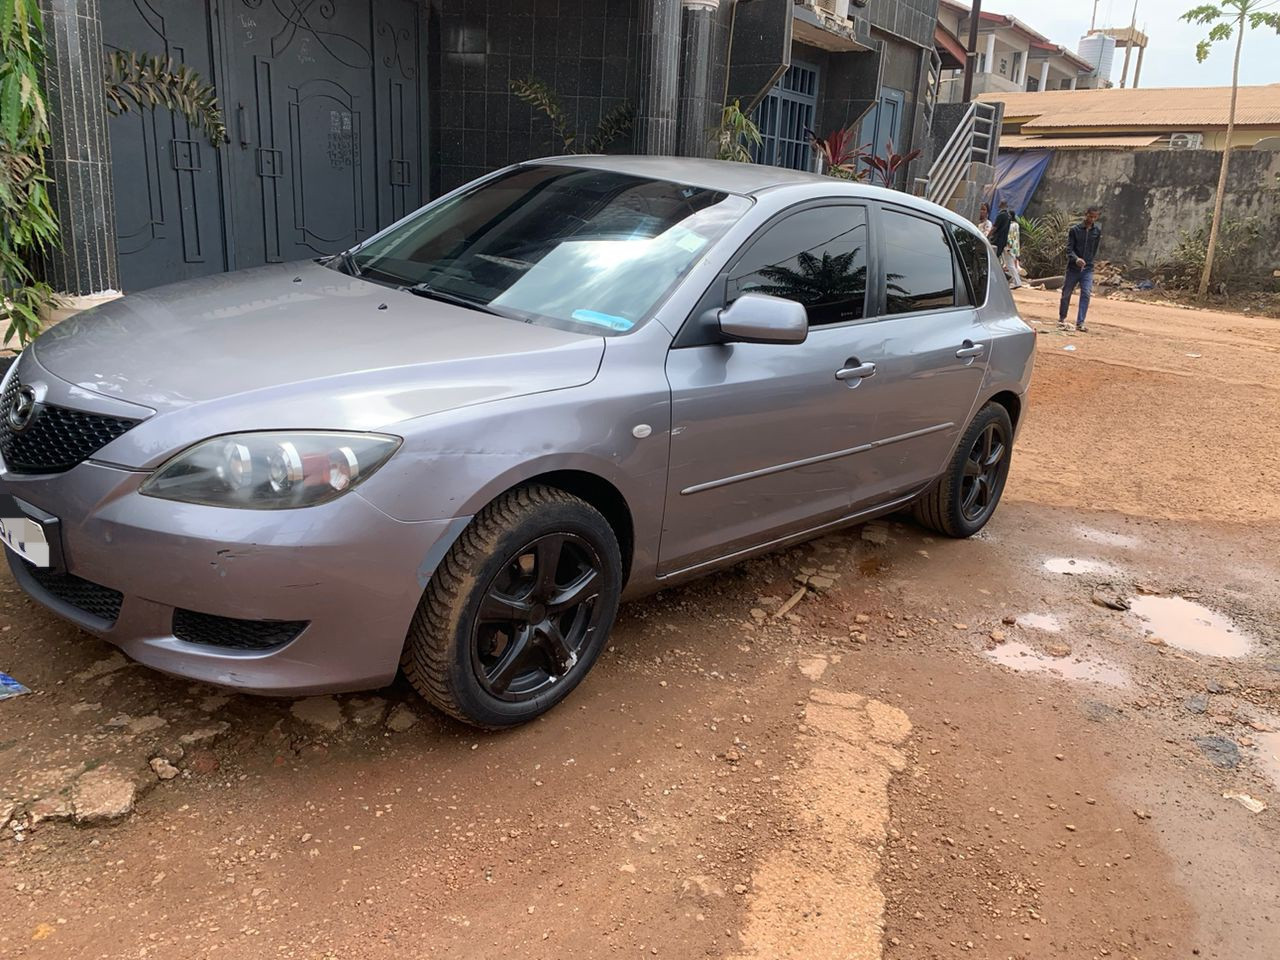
(1018,174)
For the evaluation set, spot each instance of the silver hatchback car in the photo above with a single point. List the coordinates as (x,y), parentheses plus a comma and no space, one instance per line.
(455,448)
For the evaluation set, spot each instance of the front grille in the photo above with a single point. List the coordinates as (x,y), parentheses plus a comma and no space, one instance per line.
(234,634)
(57,438)
(93,598)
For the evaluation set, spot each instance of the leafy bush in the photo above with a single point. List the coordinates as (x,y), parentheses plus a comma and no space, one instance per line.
(736,135)
(1043,242)
(27,222)
(1237,239)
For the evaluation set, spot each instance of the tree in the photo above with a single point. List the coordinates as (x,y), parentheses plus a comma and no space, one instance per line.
(1229,18)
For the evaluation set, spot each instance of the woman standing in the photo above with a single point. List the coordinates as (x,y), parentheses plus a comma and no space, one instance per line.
(1012,251)
(984,220)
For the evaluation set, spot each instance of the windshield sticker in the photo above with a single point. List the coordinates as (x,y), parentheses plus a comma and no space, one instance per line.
(602,319)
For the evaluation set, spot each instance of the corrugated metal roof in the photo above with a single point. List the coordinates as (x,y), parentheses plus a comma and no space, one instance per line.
(1011,141)
(1155,108)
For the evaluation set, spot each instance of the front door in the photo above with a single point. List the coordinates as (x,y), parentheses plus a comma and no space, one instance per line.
(762,434)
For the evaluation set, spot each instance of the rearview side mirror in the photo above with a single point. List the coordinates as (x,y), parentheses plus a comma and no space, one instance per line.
(759,318)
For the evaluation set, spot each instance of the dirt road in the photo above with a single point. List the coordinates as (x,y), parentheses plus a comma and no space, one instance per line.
(944,750)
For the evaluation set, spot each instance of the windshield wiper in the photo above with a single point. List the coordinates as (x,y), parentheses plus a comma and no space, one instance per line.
(426,290)
(349,263)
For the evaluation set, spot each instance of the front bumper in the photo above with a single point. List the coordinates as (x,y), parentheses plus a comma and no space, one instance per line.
(351,572)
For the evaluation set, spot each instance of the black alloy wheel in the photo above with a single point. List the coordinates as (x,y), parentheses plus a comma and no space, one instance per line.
(961,501)
(519,609)
(536,617)
(983,476)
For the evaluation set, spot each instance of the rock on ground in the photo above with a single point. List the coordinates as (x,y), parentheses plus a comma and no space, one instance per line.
(322,712)
(102,795)
(401,718)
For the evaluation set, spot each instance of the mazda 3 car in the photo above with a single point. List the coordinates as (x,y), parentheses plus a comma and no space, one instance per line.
(455,448)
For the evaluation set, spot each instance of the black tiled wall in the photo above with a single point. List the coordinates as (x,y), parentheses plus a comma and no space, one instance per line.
(583,49)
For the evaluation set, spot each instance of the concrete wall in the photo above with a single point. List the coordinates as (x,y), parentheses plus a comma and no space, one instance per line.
(1149,197)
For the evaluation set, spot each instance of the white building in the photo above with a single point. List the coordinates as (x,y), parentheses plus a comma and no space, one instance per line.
(1012,57)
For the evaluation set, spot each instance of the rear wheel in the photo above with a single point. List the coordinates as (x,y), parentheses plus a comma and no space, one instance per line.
(963,499)
(518,610)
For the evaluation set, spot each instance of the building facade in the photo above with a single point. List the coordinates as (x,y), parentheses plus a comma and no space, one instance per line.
(344,116)
(1012,57)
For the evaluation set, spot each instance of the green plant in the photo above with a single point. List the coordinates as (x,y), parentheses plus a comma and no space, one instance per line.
(1043,243)
(28,225)
(1237,241)
(144,82)
(1228,17)
(614,124)
(736,135)
(840,158)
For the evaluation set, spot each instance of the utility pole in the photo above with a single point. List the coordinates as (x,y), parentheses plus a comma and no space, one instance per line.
(1093,21)
(971,54)
(1128,47)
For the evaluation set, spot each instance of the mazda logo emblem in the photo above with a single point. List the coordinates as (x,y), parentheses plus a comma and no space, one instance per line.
(23,410)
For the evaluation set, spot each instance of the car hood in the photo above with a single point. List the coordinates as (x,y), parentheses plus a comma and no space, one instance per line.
(273,334)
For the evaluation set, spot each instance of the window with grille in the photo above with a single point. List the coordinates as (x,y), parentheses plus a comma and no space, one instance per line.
(784,115)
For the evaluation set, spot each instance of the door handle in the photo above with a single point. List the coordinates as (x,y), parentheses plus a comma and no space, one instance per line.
(243,124)
(970,350)
(856,372)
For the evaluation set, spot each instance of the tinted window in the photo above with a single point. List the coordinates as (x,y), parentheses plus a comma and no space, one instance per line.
(817,257)
(973,251)
(592,248)
(919,271)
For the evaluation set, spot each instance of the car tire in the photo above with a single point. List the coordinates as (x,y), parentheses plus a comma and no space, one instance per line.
(961,501)
(495,641)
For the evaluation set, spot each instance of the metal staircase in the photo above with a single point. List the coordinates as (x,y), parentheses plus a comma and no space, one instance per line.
(975,140)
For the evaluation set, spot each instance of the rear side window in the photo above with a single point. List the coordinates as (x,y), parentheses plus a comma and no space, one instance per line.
(973,252)
(817,257)
(919,268)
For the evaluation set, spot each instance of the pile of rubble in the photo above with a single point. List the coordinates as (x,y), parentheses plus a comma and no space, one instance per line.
(1107,278)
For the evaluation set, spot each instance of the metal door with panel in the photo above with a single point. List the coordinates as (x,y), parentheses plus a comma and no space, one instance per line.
(882,124)
(324,108)
(930,352)
(165,174)
(761,433)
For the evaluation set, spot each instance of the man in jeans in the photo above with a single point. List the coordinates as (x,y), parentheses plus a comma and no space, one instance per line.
(1082,248)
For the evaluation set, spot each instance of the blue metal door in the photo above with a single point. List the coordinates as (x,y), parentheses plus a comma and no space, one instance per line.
(784,115)
(882,125)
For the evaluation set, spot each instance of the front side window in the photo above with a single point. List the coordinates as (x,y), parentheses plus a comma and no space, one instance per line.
(591,249)
(817,257)
(919,269)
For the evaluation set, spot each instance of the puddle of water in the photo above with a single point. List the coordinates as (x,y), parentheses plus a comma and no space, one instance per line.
(1041,621)
(1072,565)
(1107,537)
(1020,657)
(1191,626)
(1268,755)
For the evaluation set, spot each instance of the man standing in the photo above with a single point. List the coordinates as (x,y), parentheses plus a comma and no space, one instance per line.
(1082,247)
(1000,230)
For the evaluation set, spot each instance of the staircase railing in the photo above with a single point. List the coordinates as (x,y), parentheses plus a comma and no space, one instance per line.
(974,141)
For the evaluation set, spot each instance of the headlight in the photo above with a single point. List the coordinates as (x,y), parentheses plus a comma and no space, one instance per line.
(270,471)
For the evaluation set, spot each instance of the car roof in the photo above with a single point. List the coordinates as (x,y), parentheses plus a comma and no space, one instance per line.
(748,179)
(745,178)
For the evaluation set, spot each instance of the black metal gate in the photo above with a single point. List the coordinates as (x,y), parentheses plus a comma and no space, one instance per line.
(325,109)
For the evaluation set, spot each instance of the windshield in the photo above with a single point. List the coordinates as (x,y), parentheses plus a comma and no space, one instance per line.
(590,248)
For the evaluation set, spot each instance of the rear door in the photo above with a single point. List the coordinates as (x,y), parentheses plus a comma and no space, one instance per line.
(929,349)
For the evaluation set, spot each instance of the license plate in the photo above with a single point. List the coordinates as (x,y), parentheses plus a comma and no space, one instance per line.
(26,538)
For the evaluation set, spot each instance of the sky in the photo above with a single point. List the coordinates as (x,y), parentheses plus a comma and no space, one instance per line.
(1171,51)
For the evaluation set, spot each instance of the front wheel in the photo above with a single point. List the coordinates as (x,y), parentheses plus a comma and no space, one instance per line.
(517,611)
(963,499)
